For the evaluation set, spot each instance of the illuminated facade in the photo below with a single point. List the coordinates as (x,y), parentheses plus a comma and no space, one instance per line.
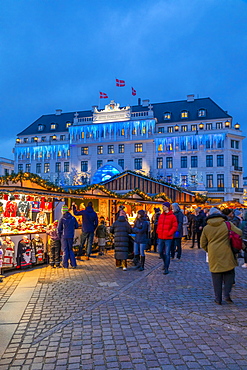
(192,143)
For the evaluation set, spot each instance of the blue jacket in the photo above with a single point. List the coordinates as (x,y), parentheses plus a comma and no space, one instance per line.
(141,229)
(180,218)
(89,219)
(67,225)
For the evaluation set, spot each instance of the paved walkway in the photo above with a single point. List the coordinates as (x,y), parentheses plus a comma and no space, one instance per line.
(99,317)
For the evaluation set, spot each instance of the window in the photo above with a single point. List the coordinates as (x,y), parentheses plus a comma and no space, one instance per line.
(82,135)
(219,125)
(110,149)
(235,160)
(20,167)
(184,128)
(68,153)
(194,161)
(6,172)
(41,127)
(193,179)
(38,167)
(99,163)
(235,181)
(169,162)
(194,145)
(209,181)
(122,132)
(237,144)
(28,167)
(25,140)
(193,127)
(138,148)
(184,114)
(46,167)
(43,139)
(209,161)
(209,126)
(34,139)
(202,113)
(58,167)
(53,126)
(161,130)
(84,150)
(144,130)
(159,163)
(109,160)
(134,131)
(220,144)
(66,167)
(183,145)
(84,166)
(121,163)
(220,181)
(220,160)
(184,180)
(121,148)
(170,129)
(68,124)
(232,143)
(100,149)
(167,115)
(62,137)
(138,163)
(169,179)
(28,155)
(53,138)
(208,144)
(183,162)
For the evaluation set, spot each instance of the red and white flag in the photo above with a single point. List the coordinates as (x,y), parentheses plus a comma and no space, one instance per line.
(103,95)
(120,83)
(133,91)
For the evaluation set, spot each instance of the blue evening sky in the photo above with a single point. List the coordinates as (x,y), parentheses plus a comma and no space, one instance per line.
(61,53)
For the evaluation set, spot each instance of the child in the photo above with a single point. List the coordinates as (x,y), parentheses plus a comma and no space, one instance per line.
(55,244)
(102,234)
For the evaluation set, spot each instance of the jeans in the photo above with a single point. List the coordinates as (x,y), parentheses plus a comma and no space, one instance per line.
(219,278)
(68,253)
(89,238)
(139,248)
(165,250)
(176,247)
(55,252)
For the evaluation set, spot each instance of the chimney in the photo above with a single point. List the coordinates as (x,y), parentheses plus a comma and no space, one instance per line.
(145,103)
(58,112)
(190,98)
(139,101)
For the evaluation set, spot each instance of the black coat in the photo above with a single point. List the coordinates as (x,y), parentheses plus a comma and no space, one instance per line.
(121,230)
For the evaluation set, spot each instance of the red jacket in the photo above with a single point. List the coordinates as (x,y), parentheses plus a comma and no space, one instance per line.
(167,225)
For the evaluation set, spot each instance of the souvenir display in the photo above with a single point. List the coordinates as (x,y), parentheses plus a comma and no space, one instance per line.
(11,207)
(23,207)
(38,252)
(23,258)
(41,218)
(8,252)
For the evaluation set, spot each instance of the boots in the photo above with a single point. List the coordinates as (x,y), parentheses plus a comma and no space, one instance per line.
(142,263)
(136,259)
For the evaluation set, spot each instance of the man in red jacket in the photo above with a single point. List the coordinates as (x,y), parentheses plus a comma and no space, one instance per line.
(167,226)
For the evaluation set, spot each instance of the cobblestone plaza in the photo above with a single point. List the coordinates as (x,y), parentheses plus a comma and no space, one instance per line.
(99,317)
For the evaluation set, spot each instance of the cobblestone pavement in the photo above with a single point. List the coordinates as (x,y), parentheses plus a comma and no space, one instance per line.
(99,317)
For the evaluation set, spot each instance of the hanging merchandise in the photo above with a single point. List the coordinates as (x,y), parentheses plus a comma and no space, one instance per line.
(23,258)
(41,218)
(8,252)
(23,207)
(38,250)
(11,207)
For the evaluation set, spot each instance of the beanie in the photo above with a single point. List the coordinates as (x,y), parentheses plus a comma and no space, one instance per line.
(64,209)
(167,204)
(237,212)
(213,211)
(141,212)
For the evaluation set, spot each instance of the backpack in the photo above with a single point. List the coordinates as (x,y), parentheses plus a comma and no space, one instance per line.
(235,239)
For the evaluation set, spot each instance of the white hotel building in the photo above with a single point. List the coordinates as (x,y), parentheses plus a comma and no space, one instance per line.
(192,143)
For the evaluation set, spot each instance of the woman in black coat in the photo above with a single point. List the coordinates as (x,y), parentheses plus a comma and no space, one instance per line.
(121,230)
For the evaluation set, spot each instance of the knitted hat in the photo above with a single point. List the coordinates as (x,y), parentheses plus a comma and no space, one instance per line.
(237,213)
(167,204)
(213,211)
(65,209)
(141,212)
(55,222)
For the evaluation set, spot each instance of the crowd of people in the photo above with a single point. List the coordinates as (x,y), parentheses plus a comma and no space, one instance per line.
(163,233)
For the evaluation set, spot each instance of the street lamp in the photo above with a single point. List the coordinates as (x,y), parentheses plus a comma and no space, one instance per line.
(201,126)
(176,128)
(18,140)
(227,123)
(237,126)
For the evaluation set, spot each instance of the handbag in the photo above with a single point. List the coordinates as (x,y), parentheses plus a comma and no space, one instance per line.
(235,239)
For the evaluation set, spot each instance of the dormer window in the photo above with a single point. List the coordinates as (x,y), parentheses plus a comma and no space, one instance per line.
(167,115)
(184,114)
(53,126)
(41,127)
(202,113)
(68,124)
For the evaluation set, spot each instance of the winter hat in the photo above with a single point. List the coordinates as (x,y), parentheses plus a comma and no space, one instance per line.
(156,210)
(65,209)
(55,222)
(237,213)
(213,211)
(141,212)
(167,204)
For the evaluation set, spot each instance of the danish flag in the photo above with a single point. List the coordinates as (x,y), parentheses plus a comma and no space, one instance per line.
(120,83)
(103,95)
(133,91)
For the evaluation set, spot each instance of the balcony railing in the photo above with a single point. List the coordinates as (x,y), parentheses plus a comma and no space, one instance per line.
(239,190)
(216,190)
(236,168)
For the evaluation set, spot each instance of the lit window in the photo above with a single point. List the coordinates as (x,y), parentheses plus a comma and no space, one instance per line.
(138,148)
(134,131)
(68,153)
(219,125)
(193,127)
(68,124)
(82,135)
(209,181)
(161,130)
(167,115)
(84,150)
(100,149)
(235,181)
(59,153)
(170,129)
(121,148)
(220,181)
(40,155)
(160,148)
(144,130)
(184,180)
(46,167)
(209,126)
(110,149)
(184,114)
(41,127)
(169,162)
(184,128)
(122,132)
(159,163)
(53,126)
(202,113)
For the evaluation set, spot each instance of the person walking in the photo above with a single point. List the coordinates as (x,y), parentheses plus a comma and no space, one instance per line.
(215,241)
(154,224)
(89,224)
(198,222)
(141,231)
(176,245)
(167,226)
(121,230)
(55,244)
(66,230)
